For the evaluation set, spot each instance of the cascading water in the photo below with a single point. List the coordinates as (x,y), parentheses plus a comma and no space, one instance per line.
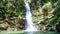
(29,26)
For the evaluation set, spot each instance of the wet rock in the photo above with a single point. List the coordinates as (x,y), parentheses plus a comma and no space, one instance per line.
(58,27)
(4,26)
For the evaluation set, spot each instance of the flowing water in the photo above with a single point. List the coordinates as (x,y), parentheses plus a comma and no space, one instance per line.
(29,26)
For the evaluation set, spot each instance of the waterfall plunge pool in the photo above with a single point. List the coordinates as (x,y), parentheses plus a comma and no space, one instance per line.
(28,32)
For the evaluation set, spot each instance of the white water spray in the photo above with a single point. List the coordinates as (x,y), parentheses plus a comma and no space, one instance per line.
(29,26)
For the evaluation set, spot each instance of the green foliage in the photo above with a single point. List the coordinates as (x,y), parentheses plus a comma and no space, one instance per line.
(52,20)
(14,9)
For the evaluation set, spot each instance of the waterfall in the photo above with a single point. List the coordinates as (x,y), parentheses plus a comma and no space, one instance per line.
(29,26)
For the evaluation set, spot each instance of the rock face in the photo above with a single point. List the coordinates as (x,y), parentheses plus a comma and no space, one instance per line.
(11,25)
(58,27)
(3,26)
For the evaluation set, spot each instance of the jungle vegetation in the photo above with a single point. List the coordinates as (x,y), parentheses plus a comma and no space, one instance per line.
(45,14)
